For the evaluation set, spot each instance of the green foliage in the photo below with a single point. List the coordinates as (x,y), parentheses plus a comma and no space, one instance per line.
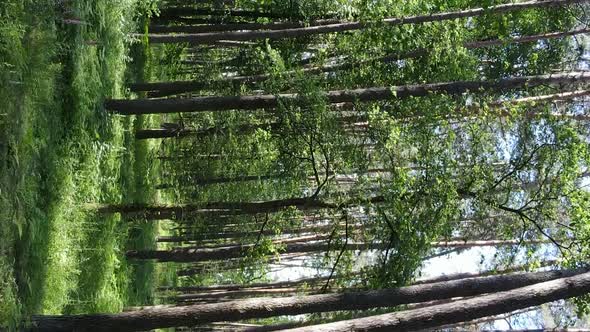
(60,152)
(403,172)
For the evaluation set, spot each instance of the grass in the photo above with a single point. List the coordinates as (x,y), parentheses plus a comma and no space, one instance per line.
(61,152)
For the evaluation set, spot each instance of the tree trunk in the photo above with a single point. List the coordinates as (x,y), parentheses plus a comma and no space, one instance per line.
(269,307)
(457,276)
(236,26)
(224,295)
(242,235)
(237,251)
(253,102)
(524,39)
(168,212)
(204,182)
(348,122)
(279,284)
(184,132)
(172,13)
(212,37)
(298,239)
(463,310)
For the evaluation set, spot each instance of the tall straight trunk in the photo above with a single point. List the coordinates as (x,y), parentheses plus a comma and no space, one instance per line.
(253,102)
(498,302)
(212,37)
(232,287)
(298,239)
(237,251)
(224,295)
(228,208)
(184,132)
(457,276)
(187,20)
(162,89)
(269,307)
(524,39)
(167,212)
(186,182)
(500,105)
(236,26)
(178,131)
(242,235)
(174,12)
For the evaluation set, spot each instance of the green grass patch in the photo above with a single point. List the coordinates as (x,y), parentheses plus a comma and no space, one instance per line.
(60,152)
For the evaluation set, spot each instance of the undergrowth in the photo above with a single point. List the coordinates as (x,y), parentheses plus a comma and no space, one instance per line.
(61,152)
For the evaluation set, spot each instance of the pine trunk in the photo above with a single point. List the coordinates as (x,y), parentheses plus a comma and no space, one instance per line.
(463,310)
(237,251)
(253,102)
(269,307)
(172,13)
(178,212)
(236,26)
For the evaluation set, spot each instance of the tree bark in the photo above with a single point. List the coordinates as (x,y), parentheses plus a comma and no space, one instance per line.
(463,310)
(253,102)
(175,12)
(184,132)
(212,37)
(524,39)
(269,307)
(237,251)
(178,131)
(246,293)
(168,212)
(242,235)
(278,284)
(204,182)
(236,26)
(457,276)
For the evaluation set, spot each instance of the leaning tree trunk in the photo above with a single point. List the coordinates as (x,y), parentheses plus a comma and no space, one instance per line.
(253,102)
(269,307)
(212,37)
(463,310)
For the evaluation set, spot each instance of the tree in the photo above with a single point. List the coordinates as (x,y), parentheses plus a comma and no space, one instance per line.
(464,310)
(235,26)
(268,307)
(188,254)
(162,89)
(252,102)
(212,37)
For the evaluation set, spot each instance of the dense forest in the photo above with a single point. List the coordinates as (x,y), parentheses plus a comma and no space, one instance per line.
(301,165)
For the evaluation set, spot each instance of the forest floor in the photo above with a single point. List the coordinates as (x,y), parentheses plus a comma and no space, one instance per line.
(61,153)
